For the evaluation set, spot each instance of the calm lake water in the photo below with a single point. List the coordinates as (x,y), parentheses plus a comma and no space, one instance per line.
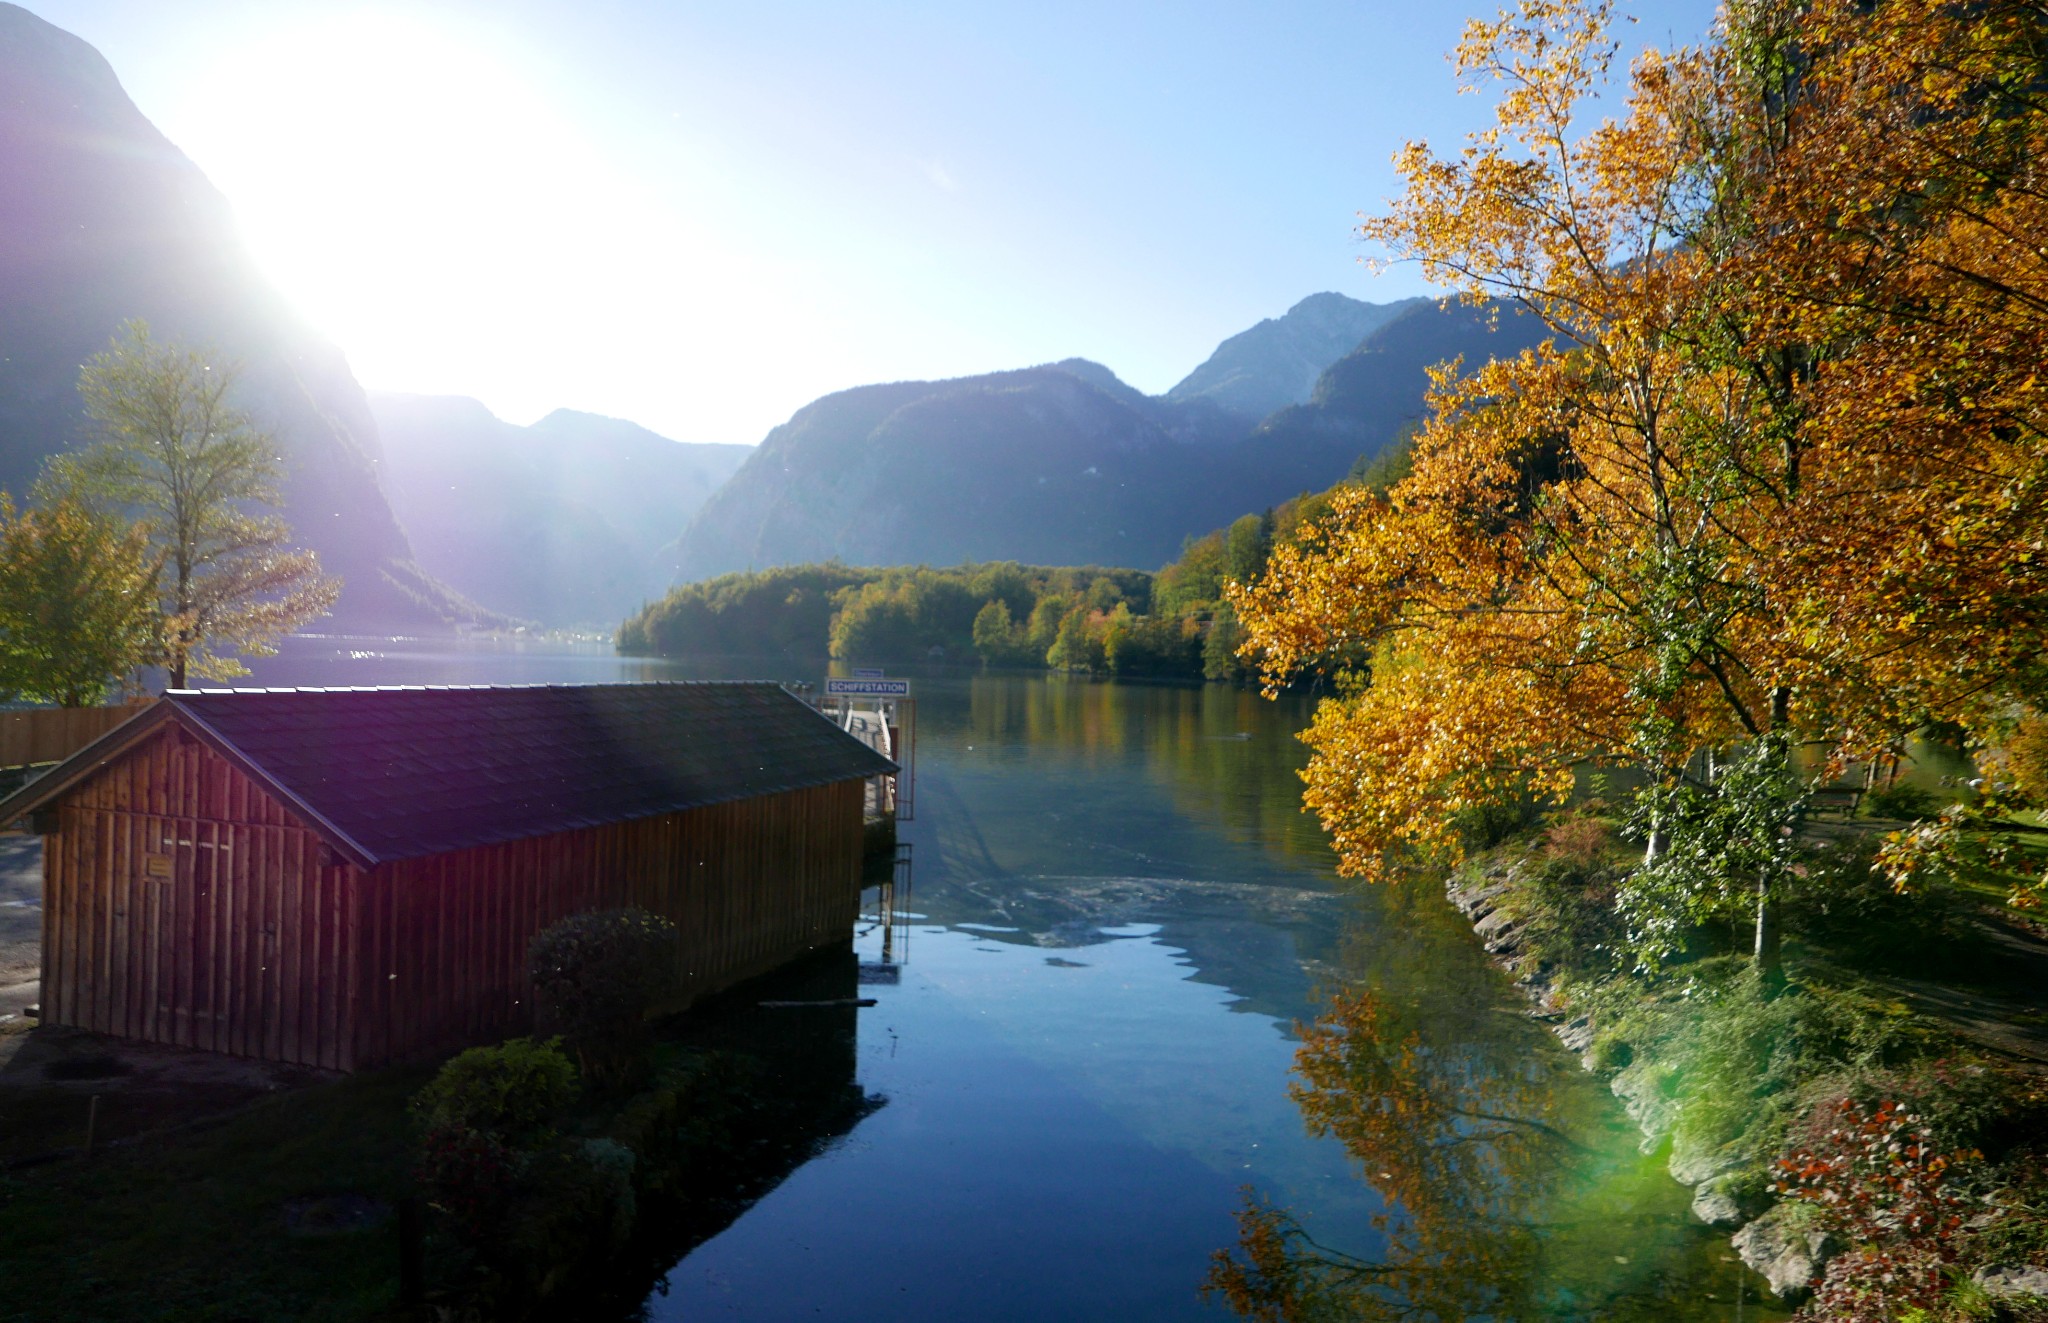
(1121,934)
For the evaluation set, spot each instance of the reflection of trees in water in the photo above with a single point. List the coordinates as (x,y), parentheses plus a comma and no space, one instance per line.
(1226,755)
(1513,1187)
(1457,1139)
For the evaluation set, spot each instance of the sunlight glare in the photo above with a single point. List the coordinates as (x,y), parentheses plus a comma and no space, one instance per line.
(429,209)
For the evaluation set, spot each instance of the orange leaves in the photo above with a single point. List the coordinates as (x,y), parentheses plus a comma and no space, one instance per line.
(1783,462)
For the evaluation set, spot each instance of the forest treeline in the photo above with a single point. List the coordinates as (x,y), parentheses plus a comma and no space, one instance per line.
(1176,623)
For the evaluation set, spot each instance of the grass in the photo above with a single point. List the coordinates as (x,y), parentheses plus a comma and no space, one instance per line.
(191,1226)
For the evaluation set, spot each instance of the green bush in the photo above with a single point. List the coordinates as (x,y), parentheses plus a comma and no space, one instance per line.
(1566,904)
(470,1176)
(574,1210)
(515,1091)
(1901,801)
(596,976)
(1842,903)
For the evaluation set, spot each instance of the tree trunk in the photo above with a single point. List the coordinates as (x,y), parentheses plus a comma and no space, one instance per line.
(1769,965)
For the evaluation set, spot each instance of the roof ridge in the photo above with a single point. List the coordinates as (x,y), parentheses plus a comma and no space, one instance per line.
(464,688)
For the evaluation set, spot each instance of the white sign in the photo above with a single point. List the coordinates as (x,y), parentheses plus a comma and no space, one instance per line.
(841,688)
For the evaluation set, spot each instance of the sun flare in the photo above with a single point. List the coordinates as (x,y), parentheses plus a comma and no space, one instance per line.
(426,203)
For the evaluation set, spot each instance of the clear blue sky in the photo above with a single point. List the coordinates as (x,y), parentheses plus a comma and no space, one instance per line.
(702,216)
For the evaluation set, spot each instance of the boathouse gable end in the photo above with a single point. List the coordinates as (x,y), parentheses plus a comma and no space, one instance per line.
(185,904)
(344,878)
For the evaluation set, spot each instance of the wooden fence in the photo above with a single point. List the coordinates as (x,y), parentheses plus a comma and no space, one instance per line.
(52,734)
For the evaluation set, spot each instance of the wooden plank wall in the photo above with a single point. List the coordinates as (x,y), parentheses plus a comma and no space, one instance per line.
(182,904)
(751,885)
(52,734)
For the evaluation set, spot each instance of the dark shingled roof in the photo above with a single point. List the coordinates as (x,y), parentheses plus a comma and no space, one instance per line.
(397,773)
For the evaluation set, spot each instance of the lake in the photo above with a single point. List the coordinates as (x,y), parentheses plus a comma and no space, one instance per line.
(1138,1021)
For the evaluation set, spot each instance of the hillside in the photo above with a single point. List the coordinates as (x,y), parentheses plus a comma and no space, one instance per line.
(570,521)
(1054,465)
(102,219)
(1371,395)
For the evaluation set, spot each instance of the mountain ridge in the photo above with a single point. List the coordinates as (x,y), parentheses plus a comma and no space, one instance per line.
(569,521)
(1062,463)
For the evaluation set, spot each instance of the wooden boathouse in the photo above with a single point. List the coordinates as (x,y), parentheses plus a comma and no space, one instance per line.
(348,877)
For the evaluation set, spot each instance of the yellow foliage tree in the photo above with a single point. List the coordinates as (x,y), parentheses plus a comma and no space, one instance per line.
(1776,478)
(77,603)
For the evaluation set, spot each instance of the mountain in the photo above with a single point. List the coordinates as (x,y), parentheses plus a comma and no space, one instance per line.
(102,219)
(571,521)
(1062,464)
(1367,398)
(1278,362)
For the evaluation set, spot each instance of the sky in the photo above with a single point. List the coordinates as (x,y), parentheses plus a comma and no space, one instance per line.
(701,217)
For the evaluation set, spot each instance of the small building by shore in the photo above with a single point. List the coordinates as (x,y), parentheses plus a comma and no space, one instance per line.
(345,878)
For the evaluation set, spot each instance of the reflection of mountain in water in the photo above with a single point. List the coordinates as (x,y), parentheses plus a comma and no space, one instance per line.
(1056,809)
(1264,942)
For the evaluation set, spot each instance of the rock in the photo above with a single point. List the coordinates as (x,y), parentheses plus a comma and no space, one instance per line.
(1692,1164)
(1496,931)
(2013,1283)
(1475,899)
(1646,1105)
(1577,1036)
(1715,1208)
(1788,1257)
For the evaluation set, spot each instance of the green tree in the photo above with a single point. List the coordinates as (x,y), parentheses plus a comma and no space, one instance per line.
(996,637)
(77,602)
(1249,543)
(175,452)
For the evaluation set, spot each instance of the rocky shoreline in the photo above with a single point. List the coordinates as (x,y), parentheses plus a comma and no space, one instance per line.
(1786,1256)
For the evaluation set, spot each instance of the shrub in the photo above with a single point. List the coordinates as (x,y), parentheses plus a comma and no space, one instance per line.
(1901,801)
(469,1175)
(574,1210)
(1877,1179)
(1842,900)
(514,1091)
(1582,841)
(1566,904)
(596,976)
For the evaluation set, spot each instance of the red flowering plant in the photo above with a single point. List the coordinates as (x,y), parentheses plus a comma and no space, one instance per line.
(1879,1184)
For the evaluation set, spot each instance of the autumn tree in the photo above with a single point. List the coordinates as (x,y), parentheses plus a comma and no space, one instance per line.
(1681,529)
(77,603)
(173,451)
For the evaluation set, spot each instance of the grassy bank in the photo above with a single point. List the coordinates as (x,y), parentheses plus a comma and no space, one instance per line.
(1924,1009)
(198,1225)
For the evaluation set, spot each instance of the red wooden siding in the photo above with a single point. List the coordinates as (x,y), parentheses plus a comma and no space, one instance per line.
(183,904)
(750,884)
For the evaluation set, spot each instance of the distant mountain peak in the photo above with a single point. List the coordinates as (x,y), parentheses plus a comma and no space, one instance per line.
(1092,372)
(1276,363)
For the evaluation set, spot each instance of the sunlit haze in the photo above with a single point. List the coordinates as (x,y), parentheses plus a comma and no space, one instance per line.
(702,217)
